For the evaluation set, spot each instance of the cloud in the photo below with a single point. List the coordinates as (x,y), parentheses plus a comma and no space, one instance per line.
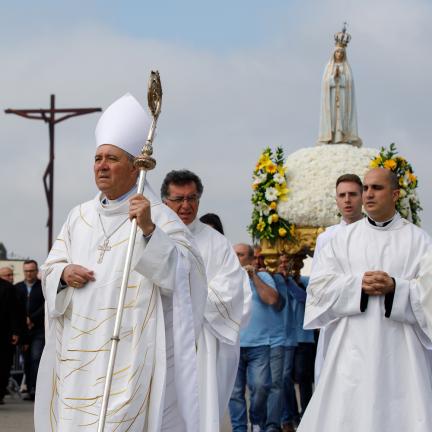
(220,108)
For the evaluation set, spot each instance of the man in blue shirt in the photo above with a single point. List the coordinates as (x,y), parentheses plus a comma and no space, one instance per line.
(254,365)
(300,343)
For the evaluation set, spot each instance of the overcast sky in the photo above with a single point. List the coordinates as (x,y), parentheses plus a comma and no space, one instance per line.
(237,77)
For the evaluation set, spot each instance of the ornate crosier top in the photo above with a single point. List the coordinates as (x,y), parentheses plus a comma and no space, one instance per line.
(408,204)
(270,188)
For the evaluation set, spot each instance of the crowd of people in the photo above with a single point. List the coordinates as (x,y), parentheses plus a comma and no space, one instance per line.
(207,325)
(22,327)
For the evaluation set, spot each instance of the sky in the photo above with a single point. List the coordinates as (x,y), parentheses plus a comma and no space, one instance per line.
(237,77)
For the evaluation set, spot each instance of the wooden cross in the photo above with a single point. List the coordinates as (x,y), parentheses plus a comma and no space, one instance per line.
(49,115)
(105,247)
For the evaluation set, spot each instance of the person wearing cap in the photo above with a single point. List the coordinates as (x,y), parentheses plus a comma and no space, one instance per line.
(155,383)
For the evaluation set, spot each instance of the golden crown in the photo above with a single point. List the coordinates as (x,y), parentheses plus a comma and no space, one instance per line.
(342,38)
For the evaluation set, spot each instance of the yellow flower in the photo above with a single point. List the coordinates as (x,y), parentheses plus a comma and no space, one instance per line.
(272,218)
(262,161)
(281,171)
(282,232)
(254,186)
(260,225)
(412,177)
(273,205)
(390,164)
(376,162)
(292,230)
(271,167)
(401,181)
(284,197)
(282,189)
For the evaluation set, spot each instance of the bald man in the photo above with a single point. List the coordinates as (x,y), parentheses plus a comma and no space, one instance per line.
(376,375)
(6,273)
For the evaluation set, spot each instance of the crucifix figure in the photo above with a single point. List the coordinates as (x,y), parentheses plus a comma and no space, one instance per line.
(104,247)
(49,116)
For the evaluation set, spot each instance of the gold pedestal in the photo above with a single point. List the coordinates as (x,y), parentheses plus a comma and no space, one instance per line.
(302,244)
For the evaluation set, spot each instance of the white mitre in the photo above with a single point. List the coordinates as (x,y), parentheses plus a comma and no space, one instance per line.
(124,124)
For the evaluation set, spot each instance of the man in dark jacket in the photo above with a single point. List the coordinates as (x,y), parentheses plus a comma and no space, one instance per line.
(31,299)
(8,333)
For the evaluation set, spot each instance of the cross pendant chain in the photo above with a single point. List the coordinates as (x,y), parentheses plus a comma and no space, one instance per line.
(105,247)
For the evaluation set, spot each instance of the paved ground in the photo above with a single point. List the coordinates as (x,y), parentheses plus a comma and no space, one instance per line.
(17,416)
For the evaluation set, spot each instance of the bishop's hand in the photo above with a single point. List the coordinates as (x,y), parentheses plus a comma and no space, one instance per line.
(140,208)
(76,276)
(377,283)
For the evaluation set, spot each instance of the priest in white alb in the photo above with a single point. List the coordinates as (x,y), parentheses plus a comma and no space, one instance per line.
(349,189)
(228,301)
(425,281)
(155,380)
(377,372)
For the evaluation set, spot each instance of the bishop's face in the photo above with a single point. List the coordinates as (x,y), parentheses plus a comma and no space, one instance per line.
(114,173)
(184,200)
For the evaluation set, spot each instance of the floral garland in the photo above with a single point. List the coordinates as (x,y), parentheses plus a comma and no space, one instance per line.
(269,188)
(408,204)
(311,177)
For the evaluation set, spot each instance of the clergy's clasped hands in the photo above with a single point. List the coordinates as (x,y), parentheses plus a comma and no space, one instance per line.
(140,208)
(377,283)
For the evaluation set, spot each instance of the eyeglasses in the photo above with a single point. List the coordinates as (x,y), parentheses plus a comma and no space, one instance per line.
(191,199)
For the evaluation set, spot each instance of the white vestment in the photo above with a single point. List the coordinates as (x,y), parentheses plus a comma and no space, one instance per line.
(425,282)
(322,240)
(167,272)
(228,301)
(377,372)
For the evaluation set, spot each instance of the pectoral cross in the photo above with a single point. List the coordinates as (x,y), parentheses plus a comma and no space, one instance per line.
(103,248)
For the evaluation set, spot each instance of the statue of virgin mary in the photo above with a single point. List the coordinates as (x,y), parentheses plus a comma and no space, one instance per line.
(338,118)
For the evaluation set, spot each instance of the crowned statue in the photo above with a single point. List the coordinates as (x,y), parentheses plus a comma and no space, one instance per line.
(294,197)
(338,117)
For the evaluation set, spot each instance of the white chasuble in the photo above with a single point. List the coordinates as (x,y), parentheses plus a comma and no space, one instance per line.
(227,302)
(425,282)
(80,324)
(377,372)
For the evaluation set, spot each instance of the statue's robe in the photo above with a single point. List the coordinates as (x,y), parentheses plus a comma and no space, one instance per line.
(228,301)
(377,372)
(162,319)
(425,282)
(338,115)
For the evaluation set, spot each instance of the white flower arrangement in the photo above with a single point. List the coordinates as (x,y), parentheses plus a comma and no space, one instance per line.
(271,194)
(311,175)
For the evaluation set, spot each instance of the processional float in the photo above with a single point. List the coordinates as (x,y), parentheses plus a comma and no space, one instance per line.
(144,162)
(289,214)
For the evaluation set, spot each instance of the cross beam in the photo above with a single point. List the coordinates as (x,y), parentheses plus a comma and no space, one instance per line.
(50,116)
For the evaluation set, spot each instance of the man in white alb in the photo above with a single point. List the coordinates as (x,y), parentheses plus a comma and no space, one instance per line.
(228,299)
(425,281)
(377,372)
(349,190)
(163,309)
